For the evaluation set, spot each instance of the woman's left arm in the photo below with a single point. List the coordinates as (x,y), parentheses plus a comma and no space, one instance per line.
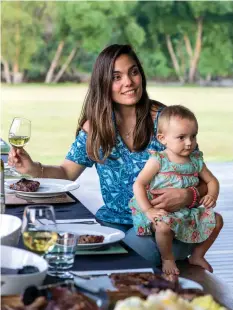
(173,199)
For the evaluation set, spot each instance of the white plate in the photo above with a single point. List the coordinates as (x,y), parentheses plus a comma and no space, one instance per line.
(48,187)
(186,283)
(103,282)
(111,235)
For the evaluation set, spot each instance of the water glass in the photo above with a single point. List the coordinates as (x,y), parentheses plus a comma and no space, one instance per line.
(61,256)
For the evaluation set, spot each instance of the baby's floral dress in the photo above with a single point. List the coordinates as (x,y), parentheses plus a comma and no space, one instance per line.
(193,225)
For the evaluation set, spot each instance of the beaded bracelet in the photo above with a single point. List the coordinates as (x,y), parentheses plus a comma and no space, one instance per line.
(195,197)
(41,169)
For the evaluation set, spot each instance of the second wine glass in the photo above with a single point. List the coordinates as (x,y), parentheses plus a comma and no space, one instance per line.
(39,228)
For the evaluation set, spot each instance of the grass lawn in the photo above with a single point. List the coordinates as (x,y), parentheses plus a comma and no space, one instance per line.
(54,113)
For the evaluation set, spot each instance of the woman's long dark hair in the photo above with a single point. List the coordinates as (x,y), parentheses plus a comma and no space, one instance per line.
(98,107)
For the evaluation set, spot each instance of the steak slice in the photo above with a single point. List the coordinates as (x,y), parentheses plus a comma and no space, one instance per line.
(84,239)
(24,185)
(143,281)
(132,279)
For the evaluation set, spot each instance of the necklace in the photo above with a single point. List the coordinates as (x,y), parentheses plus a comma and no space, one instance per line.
(128,134)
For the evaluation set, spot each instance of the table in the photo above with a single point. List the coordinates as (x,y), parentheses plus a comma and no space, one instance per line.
(211,283)
(90,262)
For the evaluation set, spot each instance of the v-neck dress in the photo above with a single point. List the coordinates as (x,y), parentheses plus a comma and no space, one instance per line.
(116,175)
(189,225)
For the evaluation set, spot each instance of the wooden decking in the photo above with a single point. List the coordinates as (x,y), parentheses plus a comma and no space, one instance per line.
(220,254)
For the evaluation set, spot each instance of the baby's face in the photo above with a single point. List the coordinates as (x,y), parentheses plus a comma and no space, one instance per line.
(180,136)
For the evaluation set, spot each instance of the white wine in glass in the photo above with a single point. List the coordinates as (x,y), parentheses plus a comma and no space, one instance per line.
(20,132)
(39,228)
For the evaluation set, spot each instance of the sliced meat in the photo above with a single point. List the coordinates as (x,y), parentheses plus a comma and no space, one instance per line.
(25,185)
(84,239)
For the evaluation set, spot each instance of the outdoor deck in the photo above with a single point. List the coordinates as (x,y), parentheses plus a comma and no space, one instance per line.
(221,253)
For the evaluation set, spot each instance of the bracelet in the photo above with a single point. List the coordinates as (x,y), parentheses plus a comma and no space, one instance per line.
(195,197)
(41,170)
(198,194)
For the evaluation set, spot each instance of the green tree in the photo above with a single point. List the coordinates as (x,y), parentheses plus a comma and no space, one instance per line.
(181,26)
(21,35)
(90,26)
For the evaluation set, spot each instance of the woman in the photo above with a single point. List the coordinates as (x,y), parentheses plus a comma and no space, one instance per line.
(116,131)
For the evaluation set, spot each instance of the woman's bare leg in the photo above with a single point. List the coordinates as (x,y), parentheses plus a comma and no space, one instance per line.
(197,257)
(164,237)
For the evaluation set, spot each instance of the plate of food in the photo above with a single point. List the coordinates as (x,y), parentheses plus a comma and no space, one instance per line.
(38,188)
(128,293)
(92,236)
(145,281)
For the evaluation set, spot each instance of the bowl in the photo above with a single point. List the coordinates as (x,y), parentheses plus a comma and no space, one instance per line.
(10,229)
(15,258)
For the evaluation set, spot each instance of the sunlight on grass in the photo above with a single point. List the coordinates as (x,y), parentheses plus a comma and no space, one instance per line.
(54,113)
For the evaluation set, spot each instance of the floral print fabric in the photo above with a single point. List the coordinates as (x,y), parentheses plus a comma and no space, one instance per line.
(116,175)
(189,225)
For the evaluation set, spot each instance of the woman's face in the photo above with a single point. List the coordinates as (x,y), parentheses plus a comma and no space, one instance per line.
(126,81)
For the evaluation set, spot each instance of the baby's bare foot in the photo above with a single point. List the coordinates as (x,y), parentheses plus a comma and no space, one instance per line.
(169,266)
(200,261)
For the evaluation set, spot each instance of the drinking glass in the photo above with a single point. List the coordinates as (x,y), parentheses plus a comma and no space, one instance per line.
(20,132)
(60,258)
(19,135)
(39,228)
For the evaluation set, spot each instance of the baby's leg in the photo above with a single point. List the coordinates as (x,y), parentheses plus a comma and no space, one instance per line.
(197,257)
(164,237)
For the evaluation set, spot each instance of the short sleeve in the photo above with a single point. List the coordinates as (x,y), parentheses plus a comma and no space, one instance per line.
(157,156)
(197,159)
(78,151)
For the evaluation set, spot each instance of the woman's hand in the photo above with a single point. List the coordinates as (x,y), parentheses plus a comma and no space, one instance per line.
(21,161)
(171,199)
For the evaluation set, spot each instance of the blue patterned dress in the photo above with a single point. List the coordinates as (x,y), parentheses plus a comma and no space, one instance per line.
(189,225)
(116,176)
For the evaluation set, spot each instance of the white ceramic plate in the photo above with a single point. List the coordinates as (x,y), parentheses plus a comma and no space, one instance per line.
(111,235)
(48,187)
(186,283)
(103,282)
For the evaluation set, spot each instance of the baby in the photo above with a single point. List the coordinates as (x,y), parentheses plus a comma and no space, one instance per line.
(180,165)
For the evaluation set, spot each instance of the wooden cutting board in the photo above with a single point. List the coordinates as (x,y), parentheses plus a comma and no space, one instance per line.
(14,199)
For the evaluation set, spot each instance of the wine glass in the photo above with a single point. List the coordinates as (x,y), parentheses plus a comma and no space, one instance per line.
(19,135)
(39,228)
(20,132)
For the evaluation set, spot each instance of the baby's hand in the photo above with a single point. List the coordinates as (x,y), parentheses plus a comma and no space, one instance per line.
(208,201)
(153,214)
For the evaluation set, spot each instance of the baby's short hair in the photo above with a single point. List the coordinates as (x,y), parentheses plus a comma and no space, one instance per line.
(174,111)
